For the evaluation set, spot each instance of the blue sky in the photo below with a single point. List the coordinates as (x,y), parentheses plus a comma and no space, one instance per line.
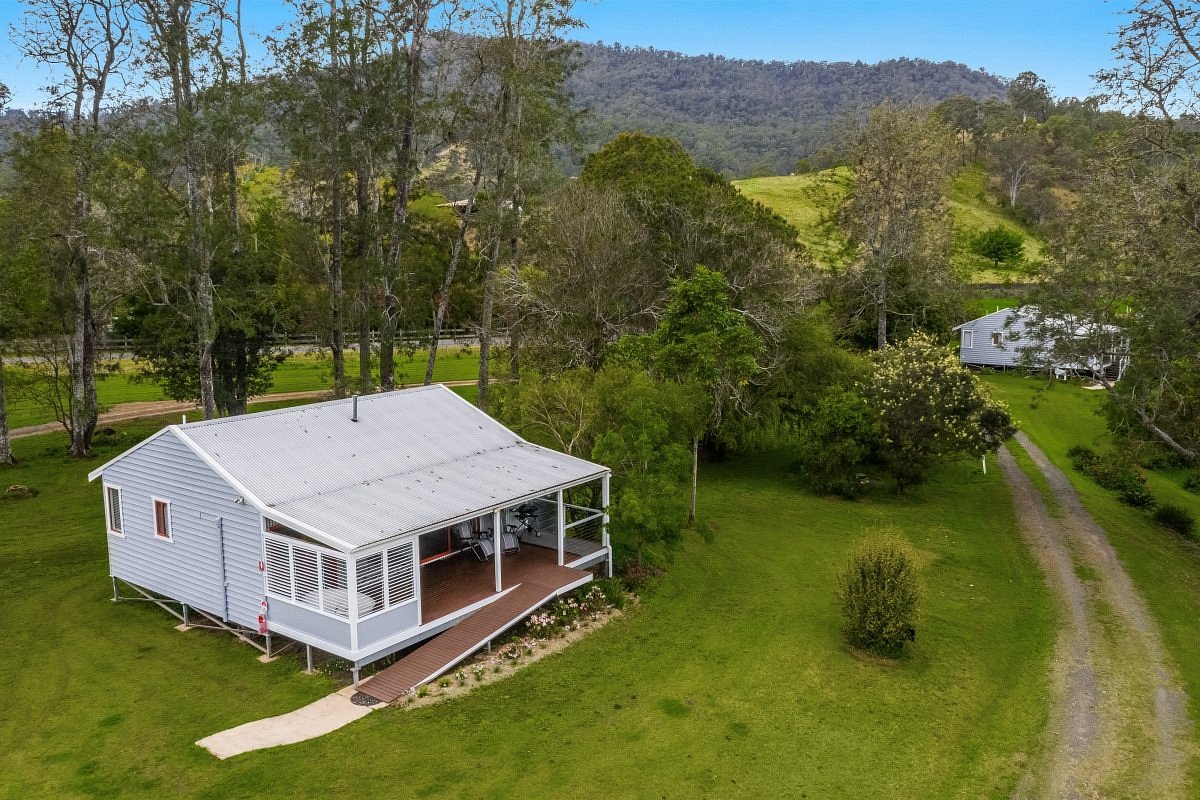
(1064,41)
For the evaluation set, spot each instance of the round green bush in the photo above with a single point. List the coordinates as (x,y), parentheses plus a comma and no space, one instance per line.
(1176,518)
(879,592)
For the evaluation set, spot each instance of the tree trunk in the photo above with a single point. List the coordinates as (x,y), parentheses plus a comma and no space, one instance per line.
(881,315)
(364,337)
(695,477)
(82,358)
(206,334)
(443,298)
(337,326)
(514,312)
(6,454)
(405,147)
(485,321)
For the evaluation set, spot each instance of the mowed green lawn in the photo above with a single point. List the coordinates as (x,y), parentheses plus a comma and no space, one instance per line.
(301,372)
(728,679)
(1165,568)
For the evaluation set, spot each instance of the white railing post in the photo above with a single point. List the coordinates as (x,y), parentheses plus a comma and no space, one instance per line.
(561,525)
(417,587)
(496,521)
(604,497)
(352,599)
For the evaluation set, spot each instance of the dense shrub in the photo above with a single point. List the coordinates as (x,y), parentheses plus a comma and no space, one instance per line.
(834,440)
(1113,471)
(879,592)
(1192,482)
(1081,456)
(1176,518)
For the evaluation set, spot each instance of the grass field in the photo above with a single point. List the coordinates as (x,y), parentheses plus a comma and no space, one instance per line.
(807,201)
(299,373)
(728,679)
(1165,568)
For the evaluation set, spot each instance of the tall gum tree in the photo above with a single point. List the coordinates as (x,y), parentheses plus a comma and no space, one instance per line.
(896,214)
(87,43)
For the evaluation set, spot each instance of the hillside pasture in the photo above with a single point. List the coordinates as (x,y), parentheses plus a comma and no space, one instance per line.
(808,202)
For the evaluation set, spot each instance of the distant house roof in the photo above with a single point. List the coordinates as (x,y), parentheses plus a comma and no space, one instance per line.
(1078,326)
(415,460)
(1013,313)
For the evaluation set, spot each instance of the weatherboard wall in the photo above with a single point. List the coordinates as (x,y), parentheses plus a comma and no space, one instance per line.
(211,562)
(985,352)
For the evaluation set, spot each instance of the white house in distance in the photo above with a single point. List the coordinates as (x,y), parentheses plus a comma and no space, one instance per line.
(359,527)
(1003,339)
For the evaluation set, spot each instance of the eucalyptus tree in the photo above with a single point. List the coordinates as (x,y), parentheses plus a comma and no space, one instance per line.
(520,63)
(195,52)
(87,43)
(896,216)
(1122,280)
(6,284)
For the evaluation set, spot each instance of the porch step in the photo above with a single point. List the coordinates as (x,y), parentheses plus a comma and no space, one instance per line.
(446,649)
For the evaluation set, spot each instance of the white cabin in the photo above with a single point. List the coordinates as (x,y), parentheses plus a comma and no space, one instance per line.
(358,526)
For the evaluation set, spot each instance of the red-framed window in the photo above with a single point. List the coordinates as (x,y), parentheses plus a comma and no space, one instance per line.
(162,519)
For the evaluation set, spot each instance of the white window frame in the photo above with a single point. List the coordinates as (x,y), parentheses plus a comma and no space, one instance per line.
(170,537)
(108,510)
(998,339)
(968,339)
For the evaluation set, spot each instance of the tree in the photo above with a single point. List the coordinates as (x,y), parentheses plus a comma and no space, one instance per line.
(1127,261)
(1030,95)
(880,591)
(87,42)
(205,129)
(1122,281)
(249,313)
(587,281)
(1157,53)
(621,417)
(965,117)
(930,407)
(1000,245)
(706,345)
(1016,154)
(695,216)
(896,217)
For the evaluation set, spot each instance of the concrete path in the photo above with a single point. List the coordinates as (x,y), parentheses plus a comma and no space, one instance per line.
(1118,722)
(315,719)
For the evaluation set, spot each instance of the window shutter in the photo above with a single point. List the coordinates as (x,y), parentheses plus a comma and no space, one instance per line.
(400,582)
(279,569)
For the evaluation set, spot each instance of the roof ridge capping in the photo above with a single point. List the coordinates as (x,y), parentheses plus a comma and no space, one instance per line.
(362,398)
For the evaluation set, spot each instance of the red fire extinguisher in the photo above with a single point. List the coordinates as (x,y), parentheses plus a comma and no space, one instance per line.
(262,618)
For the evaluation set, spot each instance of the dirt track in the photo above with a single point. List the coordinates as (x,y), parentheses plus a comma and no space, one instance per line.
(1118,716)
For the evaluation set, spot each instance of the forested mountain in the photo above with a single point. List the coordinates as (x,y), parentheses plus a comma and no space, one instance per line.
(742,117)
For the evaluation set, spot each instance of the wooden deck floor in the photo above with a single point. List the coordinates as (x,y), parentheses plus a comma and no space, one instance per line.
(462,579)
(541,580)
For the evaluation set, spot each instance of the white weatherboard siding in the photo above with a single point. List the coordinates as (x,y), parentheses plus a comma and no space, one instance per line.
(984,351)
(202,509)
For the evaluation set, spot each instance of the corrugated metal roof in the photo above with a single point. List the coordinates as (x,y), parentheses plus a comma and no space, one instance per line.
(415,458)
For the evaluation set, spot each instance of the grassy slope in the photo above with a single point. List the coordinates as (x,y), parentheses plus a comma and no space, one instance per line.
(729,679)
(808,200)
(300,372)
(1165,569)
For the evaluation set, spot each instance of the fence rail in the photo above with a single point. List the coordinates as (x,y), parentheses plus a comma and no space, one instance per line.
(404,339)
